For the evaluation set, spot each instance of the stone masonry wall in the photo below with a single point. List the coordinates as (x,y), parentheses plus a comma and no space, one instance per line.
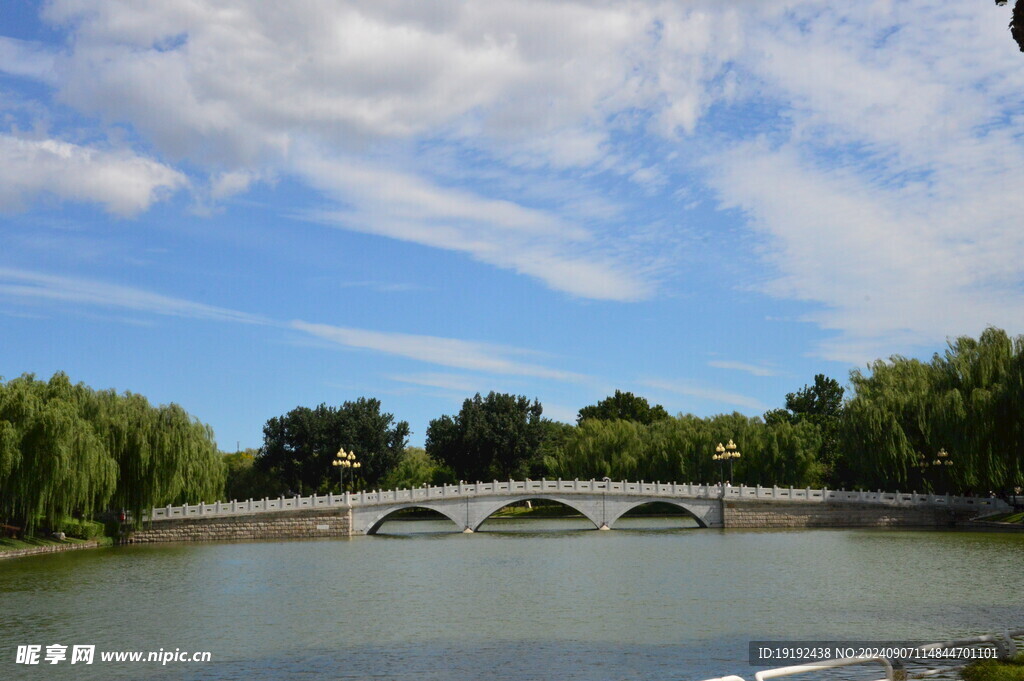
(283,525)
(773,514)
(51,548)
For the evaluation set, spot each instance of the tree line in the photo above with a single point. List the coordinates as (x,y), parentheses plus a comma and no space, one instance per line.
(951,424)
(68,451)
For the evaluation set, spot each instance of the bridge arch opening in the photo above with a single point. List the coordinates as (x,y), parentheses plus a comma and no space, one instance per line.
(536,514)
(657,515)
(414,519)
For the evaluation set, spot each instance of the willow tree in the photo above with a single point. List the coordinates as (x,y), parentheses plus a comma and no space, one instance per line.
(598,449)
(53,464)
(681,448)
(164,456)
(967,401)
(978,409)
(66,450)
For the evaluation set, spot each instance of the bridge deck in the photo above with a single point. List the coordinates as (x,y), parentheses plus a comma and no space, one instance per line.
(515,489)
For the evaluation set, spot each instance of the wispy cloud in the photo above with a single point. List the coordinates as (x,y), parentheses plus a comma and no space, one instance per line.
(530,241)
(22,285)
(459,383)
(705,393)
(888,199)
(25,287)
(752,369)
(26,58)
(450,352)
(885,201)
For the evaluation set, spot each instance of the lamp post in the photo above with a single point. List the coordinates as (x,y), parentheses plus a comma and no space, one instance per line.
(343,460)
(725,453)
(719,456)
(942,461)
(604,504)
(732,453)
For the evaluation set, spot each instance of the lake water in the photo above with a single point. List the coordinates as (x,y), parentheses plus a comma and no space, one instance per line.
(523,599)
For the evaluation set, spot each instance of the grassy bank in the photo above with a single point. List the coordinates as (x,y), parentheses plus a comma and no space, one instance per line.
(995,670)
(7,545)
(1014,517)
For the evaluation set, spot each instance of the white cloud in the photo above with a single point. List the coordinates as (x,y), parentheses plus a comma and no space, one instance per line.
(450,352)
(227,184)
(25,58)
(542,85)
(29,286)
(752,369)
(888,196)
(124,183)
(885,190)
(705,393)
(341,74)
(459,383)
(533,242)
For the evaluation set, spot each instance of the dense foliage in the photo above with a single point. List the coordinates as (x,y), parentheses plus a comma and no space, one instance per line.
(67,450)
(967,401)
(821,405)
(493,437)
(995,670)
(417,468)
(625,406)
(245,481)
(680,449)
(298,448)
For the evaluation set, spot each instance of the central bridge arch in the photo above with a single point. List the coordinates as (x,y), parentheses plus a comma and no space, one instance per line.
(382,515)
(485,511)
(688,512)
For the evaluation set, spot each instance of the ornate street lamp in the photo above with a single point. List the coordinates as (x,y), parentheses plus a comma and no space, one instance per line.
(725,453)
(719,456)
(941,461)
(733,453)
(342,461)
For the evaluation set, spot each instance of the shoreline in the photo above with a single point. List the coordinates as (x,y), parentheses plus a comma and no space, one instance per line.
(56,548)
(975,525)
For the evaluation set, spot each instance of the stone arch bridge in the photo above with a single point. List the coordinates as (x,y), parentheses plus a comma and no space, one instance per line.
(600,501)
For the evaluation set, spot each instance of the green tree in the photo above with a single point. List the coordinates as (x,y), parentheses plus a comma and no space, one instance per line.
(493,437)
(680,449)
(968,401)
(820,404)
(552,445)
(67,450)
(625,406)
(299,447)
(415,469)
(244,480)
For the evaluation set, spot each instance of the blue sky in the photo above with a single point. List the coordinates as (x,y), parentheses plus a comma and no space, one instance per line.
(243,208)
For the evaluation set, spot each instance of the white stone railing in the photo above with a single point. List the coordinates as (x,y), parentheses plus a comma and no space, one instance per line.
(517,488)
